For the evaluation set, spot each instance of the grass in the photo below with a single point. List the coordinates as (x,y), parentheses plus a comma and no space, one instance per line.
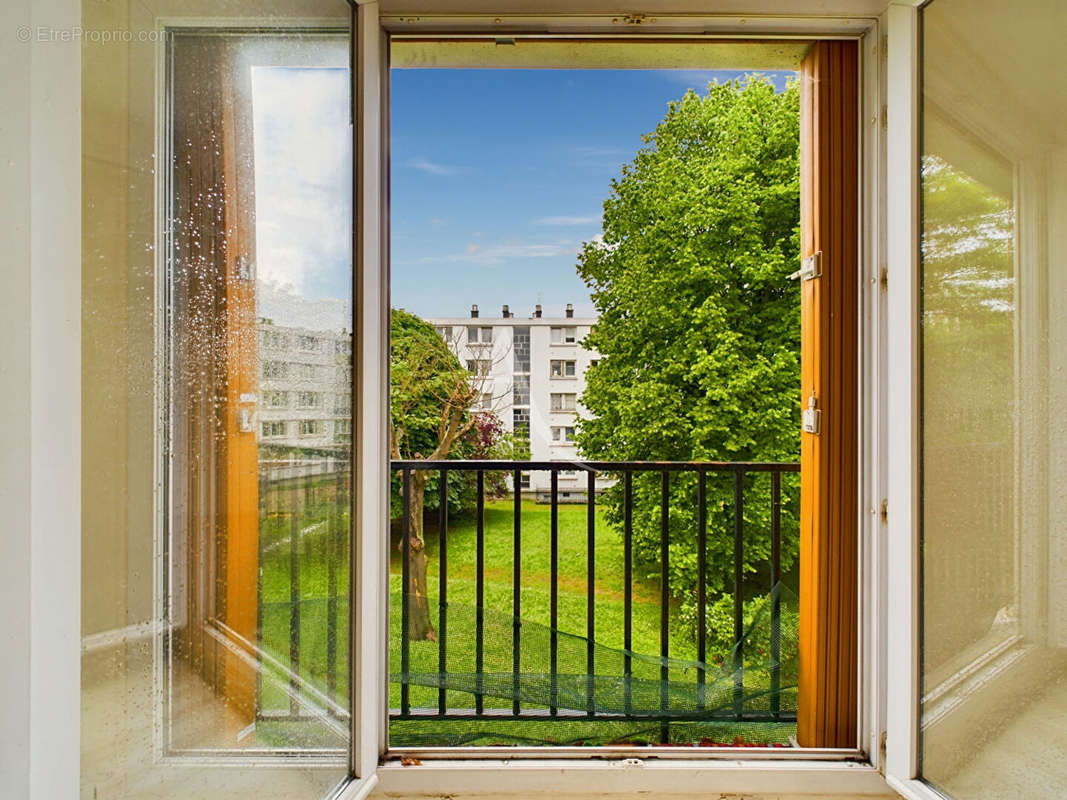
(609,587)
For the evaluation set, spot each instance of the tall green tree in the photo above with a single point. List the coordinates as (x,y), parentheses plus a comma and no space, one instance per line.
(699,327)
(432,416)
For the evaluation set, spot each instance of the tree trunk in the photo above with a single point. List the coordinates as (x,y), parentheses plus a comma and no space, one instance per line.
(420,624)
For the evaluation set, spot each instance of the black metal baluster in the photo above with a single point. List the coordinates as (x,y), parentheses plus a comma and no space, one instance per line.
(405,595)
(702,597)
(516,586)
(628,592)
(479,652)
(590,593)
(265,505)
(442,592)
(554,594)
(294,604)
(776,596)
(739,623)
(333,525)
(664,600)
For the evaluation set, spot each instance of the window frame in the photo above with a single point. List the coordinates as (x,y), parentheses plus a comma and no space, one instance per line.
(474,769)
(720,772)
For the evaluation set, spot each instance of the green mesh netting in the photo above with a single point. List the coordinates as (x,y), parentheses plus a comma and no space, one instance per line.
(737,695)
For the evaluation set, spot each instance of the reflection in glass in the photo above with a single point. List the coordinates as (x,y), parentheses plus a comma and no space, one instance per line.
(994,247)
(262,351)
(217,335)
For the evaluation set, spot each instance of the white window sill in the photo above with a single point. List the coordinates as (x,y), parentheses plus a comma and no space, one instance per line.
(747,777)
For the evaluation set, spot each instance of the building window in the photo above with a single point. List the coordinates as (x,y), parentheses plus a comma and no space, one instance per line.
(310,427)
(444,331)
(563,434)
(344,375)
(308,399)
(275,370)
(520,422)
(524,480)
(521,390)
(520,347)
(561,401)
(274,340)
(342,403)
(478,366)
(562,369)
(273,429)
(309,344)
(567,335)
(275,399)
(486,401)
(304,372)
(479,335)
(342,429)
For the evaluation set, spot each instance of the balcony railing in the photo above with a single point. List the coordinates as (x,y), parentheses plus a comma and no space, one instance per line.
(496,661)
(609,684)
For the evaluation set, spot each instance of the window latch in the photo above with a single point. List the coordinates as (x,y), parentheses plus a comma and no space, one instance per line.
(810,267)
(811,419)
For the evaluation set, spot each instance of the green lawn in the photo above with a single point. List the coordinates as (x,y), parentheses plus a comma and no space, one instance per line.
(461,636)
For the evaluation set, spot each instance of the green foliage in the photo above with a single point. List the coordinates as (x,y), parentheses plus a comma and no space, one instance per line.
(425,376)
(699,327)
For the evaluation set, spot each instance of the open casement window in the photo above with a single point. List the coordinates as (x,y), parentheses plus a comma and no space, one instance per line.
(220,560)
(977,664)
(250,476)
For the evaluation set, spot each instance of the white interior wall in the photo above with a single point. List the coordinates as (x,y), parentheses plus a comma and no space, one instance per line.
(40,309)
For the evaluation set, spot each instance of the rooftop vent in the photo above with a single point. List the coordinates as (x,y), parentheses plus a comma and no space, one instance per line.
(506,312)
(570,310)
(474,311)
(537,311)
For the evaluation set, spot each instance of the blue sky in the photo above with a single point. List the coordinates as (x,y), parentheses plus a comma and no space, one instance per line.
(498,176)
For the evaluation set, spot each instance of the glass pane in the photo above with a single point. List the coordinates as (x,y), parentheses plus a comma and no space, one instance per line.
(994,244)
(217,333)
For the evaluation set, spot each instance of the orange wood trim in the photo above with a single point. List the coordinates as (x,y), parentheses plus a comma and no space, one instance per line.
(827,684)
(241,466)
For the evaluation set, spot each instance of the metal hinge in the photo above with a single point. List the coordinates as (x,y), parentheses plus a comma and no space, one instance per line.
(634,19)
(810,267)
(885,511)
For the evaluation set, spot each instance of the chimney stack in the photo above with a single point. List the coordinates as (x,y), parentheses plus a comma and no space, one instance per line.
(537,311)
(570,310)
(474,311)
(506,311)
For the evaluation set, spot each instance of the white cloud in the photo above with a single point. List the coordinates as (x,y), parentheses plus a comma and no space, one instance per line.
(303,178)
(283,306)
(566,220)
(432,167)
(494,254)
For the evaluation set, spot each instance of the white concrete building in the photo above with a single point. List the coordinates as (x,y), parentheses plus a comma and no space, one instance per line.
(305,387)
(533,371)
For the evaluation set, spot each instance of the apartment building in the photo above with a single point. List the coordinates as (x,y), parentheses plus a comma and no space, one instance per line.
(305,387)
(531,372)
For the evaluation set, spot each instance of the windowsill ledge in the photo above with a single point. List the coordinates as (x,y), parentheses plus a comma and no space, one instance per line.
(748,777)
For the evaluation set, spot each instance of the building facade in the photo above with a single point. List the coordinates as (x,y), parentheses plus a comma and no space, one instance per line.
(531,374)
(305,388)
